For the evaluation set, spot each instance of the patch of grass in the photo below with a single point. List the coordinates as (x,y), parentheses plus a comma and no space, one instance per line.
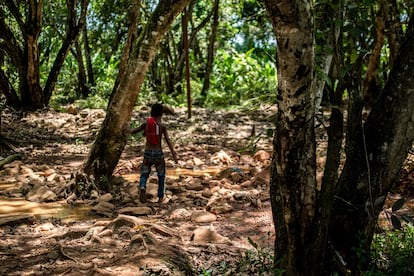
(393,252)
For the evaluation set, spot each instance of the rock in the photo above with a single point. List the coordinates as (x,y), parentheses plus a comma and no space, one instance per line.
(221,157)
(246,184)
(195,187)
(47,226)
(207,234)
(214,183)
(203,217)
(197,162)
(104,208)
(106,197)
(236,177)
(261,156)
(71,109)
(220,208)
(26,170)
(207,193)
(179,214)
(94,195)
(138,211)
(41,194)
(262,178)
(228,172)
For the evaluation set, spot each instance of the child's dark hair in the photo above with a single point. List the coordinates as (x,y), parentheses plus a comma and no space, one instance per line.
(156,110)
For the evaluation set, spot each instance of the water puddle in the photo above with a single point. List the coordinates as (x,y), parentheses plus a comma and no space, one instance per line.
(10,207)
(177,172)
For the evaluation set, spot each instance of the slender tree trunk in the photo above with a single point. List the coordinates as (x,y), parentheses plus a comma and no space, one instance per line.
(187,61)
(109,144)
(211,49)
(82,86)
(87,49)
(75,26)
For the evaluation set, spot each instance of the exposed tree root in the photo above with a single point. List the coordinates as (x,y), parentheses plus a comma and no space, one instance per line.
(10,159)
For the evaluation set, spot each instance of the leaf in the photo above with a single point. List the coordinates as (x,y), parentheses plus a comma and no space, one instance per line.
(408,219)
(252,242)
(395,222)
(398,204)
(379,201)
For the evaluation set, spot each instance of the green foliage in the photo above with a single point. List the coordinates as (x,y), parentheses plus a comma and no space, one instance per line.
(94,102)
(240,78)
(392,252)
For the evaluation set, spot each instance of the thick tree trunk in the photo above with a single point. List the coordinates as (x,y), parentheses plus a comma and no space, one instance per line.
(109,144)
(373,165)
(30,89)
(293,174)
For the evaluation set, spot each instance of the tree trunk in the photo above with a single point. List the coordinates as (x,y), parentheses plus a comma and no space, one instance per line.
(315,230)
(30,89)
(109,144)
(26,58)
(211,49)
(89,67)
(82,86)
(75,26)
(293,172)
(376,159)
(187,61)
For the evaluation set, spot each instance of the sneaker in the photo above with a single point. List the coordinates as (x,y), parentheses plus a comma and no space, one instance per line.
(142,196)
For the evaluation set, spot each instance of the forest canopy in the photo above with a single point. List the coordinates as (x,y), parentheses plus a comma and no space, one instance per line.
(78,49)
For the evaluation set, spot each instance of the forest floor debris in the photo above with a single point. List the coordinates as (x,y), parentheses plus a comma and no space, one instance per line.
(218,215)
(218,206)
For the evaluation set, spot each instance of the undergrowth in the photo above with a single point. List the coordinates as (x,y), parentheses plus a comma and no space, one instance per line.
(255,261)
(392,252)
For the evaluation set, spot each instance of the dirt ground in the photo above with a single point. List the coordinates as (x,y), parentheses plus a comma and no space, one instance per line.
(217,219)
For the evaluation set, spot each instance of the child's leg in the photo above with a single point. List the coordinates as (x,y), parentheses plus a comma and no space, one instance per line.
(160,166)
(145,172)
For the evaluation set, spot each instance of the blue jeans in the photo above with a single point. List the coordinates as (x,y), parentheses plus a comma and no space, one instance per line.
(156,158)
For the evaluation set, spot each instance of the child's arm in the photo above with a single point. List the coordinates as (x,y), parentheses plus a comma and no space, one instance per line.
(170,145)
(129,130)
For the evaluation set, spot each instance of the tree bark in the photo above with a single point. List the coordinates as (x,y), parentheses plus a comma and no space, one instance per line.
(74,28)
(311,228)
(211,49)
(89,67)
(293,171)
(109,144)
(30,89)
(377,157)
(82,86)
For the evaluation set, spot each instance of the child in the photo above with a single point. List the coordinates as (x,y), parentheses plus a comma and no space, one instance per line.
(153,154)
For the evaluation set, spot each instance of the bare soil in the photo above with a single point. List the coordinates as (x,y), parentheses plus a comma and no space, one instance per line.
(217,219)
